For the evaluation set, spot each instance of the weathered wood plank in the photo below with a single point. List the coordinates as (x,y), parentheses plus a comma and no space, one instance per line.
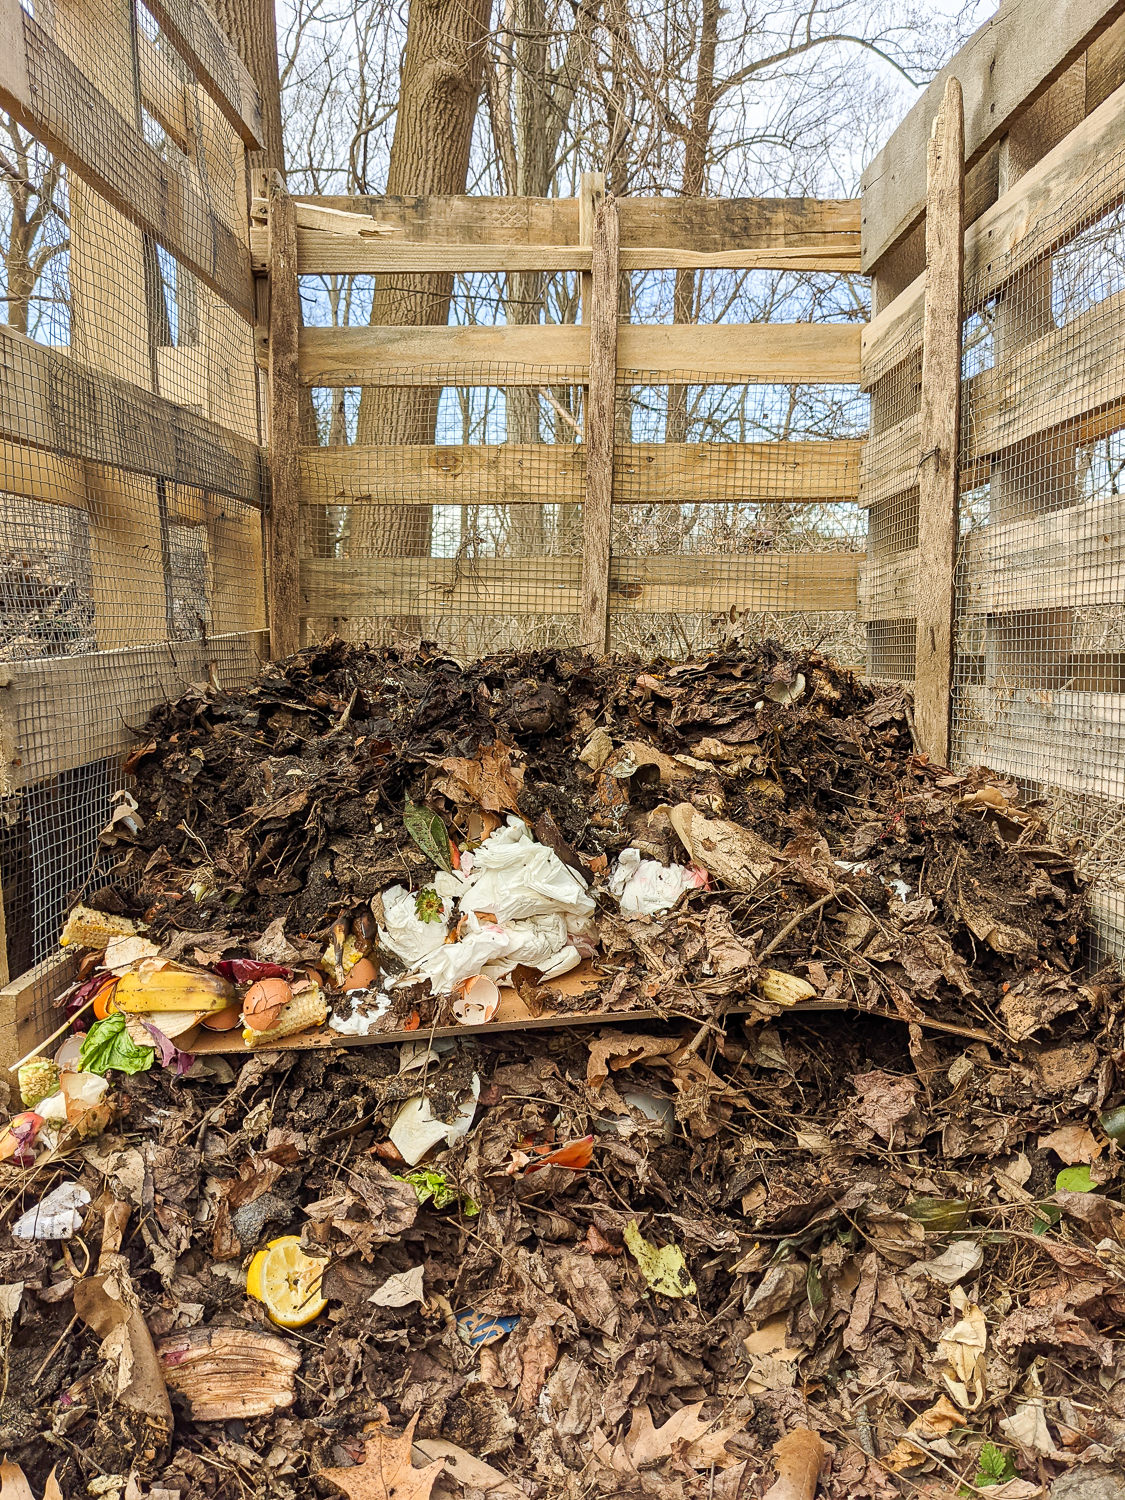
(196,34)
(700,225)
(75,120)
(1066,377)
(1068,186)
(71,710)
(284,434)
(1070,740)
(939,423)
(1003,68)
(322,253)
(548,473)
(599,428)
(552,354)
(781,582)
(19,1001)
(50,401)
(1073,558)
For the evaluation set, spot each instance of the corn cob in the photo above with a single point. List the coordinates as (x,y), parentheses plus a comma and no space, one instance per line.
(86,928)
(169,988)
(783,989)
(306,1010)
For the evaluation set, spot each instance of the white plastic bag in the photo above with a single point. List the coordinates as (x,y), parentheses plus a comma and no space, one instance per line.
(514,876)
(57,1217)
(405,934)
(644,887)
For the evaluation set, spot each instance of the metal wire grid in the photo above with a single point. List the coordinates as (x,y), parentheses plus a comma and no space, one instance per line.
(477,541)
(131,555)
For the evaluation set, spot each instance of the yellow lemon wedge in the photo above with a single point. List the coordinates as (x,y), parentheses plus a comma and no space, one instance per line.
(287,1281)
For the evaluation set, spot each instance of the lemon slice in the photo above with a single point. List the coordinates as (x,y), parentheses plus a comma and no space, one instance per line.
(287,1281)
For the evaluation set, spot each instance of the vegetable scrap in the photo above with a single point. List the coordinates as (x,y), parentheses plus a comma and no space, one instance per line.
(806,1179)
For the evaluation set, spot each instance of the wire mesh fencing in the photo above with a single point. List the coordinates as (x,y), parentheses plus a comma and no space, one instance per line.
(131,472)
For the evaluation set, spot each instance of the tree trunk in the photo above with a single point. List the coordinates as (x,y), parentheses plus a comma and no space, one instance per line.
(441,77)
(252,28)
(694,180)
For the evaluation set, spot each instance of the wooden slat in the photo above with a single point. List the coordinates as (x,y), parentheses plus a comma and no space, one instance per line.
(284,529)
(1066,559)
(1069,187)
(322,253)
(196,34)
(705,226)
(18,1029)
(64,110)
(939,422)
(521,356)
(597,510)
(163,93)
(1068,376)
(49,401)
(780,582)
(70,711)
(1071,740)
(1003,68)
(549,473)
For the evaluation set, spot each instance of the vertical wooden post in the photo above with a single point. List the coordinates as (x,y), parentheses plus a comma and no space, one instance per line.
(284,518)
(598,507)
(591,193)
(940,423)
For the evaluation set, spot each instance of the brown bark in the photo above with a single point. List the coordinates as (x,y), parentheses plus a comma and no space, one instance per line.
(696,144)
(252,27)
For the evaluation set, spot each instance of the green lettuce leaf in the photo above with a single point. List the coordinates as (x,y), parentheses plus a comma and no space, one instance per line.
(109,1045)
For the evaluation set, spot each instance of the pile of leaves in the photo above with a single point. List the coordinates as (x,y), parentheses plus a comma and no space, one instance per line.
(665,1249)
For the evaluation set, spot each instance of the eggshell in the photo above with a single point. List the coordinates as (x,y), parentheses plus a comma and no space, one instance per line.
(223,1020)
(262,1003)
(361,975)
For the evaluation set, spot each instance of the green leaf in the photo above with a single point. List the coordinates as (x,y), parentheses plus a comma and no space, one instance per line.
(429,833)
(994,1466)
(1075,1180)
(437,1186)
(814,1287)
(109,1045)
(1047,1216)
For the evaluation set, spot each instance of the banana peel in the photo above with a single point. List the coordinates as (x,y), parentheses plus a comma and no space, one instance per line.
(153,986)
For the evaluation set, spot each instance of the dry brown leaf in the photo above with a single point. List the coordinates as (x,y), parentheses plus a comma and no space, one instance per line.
(938,1421)
(1073,1143)
(799,1456)
(13,1483)
(491,780)
(538,1354)
(686,1432)
(734,855)
(386,1472)
(470,1472)
(616,1050)
(52,1490)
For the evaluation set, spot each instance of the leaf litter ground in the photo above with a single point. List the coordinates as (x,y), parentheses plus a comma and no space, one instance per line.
(894,1221)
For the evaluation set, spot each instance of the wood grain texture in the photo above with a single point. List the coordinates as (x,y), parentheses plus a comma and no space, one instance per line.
(1066,559)
(50,401)
(284,528)
(323,253)
(69,711)
(552,354)
(939,422)
(1004,67)
(695,582)
(700,225)
(1071,740)
(599,428)
(554,473)
(194,31)
(75,120)
(1068,186)
(23,1002)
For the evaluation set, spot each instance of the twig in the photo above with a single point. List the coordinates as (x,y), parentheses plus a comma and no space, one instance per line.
(54,1349)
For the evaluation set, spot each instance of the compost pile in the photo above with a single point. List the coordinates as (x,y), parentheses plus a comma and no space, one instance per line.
(741,1238)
